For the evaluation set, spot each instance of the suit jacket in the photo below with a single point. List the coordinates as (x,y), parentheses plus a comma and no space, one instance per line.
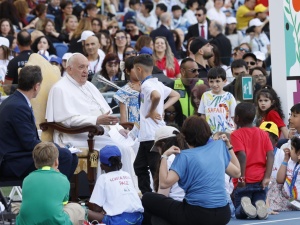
(18,133)
(193,31)
(165,32)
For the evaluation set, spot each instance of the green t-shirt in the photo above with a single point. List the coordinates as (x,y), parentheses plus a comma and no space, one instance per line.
(45,191)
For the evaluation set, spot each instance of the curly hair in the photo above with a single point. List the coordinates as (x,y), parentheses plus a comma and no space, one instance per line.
(34,46)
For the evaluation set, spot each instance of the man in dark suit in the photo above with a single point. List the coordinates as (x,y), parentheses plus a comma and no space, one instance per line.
(18,133)
(199,29)
(163,30)
(221,41)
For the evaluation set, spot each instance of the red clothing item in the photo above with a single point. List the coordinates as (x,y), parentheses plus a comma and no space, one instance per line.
(171,73)
(255,143)
(264,2)
(273,116)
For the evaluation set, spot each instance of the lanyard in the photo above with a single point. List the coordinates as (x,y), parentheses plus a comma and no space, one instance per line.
(95,67)
(147,78)
(293,182)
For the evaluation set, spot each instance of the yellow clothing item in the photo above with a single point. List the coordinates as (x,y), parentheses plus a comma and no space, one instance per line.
(242,21)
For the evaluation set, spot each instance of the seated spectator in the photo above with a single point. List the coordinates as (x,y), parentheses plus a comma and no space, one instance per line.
(8,11)
(113,27)
(5,57)
(232,33)
(70,25)
(6,29)
(189,15)
(250,59)
(43,46)
(134,7)
(143,41)
(178,21)
(66,9)
(160,8)
(215,13)
(119,44)
(262,15)
(53,8)
(49,30)
(174,115)
(18,134)
(109,191)
(261,57)
(22,11)
(164,58)
(244,14)
(132,29)
(40,12)
(178,39)
(145,20)
(90,11)
(105,41)
(260,76)
(96,25)
(53,208)
(242,49)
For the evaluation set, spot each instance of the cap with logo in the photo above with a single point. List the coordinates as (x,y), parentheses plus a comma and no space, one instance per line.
(270,127)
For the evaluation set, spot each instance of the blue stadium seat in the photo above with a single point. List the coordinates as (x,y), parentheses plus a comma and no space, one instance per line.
(50,16)
(30,17)
(61,49)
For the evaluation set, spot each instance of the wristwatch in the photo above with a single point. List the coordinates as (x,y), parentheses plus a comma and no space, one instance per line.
(241,180)
(164,156)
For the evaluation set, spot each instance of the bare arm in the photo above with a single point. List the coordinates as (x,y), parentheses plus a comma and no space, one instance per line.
(164,192)
(123,113)
(241,156)
(281,174)
(97,214)
(173,97)
(269,166)
(285,132)
(250,14)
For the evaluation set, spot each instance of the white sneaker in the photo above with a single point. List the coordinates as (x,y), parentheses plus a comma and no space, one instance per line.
(248,208)
(261,209)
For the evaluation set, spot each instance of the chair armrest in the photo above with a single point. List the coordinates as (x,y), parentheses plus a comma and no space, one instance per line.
(91,129)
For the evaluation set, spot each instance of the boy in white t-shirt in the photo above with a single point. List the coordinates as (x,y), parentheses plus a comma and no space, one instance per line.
(117,202)
(274,196)
(152,106)
(217,106)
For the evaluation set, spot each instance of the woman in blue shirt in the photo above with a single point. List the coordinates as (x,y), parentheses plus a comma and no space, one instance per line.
(199,171)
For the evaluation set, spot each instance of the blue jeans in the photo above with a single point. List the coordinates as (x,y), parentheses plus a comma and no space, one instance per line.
(254,191)
(134,218)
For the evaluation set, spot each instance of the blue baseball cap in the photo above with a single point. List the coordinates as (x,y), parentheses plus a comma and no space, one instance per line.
(107,152)
(56,60)
(146,50)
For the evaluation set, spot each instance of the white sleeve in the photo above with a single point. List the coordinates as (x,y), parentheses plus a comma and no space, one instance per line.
(80,120)
(232,106)
(167,91)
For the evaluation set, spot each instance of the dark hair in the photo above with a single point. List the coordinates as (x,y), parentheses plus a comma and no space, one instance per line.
(261,69)
(218,26)
(8,11)
(40,9)
(199,89)
(175,7)
(187,45)
(296,108)
(179,117)
(51,50)
(64,4)
(143,41)
(238,64)
(109,57)
(216,72)
(185,60)
(89,7)
(178,141)
(24,38)
(295,142)
(144,59)
(177,42)
(270,93)
(133,2)
(162,7)
(98,20)
(190,3)
(203,9)
(98,35)
(244,113)
(12,31)
(116,163)
(46,21)
(115,47)
(217,55)
(129,63)
(191,128)
(273,137)
(28,77)
(148,5)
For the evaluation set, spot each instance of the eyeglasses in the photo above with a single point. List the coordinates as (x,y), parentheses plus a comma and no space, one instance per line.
(194,70)
(197,14)
(245,50)
(252,63)
(120,38)
(130,53)
(170,113)
(115,27)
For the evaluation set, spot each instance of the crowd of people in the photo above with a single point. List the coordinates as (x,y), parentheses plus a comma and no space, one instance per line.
(180,68)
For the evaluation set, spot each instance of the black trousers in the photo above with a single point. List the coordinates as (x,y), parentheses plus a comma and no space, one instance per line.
(176,212)
(144,161)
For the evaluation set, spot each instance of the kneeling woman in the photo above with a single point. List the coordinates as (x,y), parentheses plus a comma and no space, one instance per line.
(199,171)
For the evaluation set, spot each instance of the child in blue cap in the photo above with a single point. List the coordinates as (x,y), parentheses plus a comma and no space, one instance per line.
(115,198)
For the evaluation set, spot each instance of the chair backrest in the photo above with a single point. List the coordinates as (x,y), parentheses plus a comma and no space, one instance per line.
(61,49)
(51,75)
(50,16)
(29,17)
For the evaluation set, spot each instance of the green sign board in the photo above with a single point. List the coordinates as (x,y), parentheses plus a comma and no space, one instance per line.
(247,88)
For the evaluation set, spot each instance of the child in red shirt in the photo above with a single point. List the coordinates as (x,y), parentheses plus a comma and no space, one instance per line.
(269,109)
(254,151)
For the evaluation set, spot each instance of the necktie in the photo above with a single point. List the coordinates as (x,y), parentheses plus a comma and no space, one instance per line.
(202,34)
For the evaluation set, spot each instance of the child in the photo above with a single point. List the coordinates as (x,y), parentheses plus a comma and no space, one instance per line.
(116,199)
(274,200)
(289,175)
(152,96)
(46,192)
(228,180)
(217,106)
(269,109)
(294,120)
(254,151)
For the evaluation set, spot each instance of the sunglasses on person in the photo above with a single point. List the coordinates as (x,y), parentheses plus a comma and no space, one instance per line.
(130,53)
(198,15)
(170,113)
(194,70)
(245,50)
(252,63)
(120,38)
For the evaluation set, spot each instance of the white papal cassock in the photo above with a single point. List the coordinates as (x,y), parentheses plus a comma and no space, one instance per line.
(75,105)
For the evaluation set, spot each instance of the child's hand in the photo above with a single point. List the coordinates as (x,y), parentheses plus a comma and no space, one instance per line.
(154,116)
(172,150)
(225,139)
(287,154)
(265,183)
